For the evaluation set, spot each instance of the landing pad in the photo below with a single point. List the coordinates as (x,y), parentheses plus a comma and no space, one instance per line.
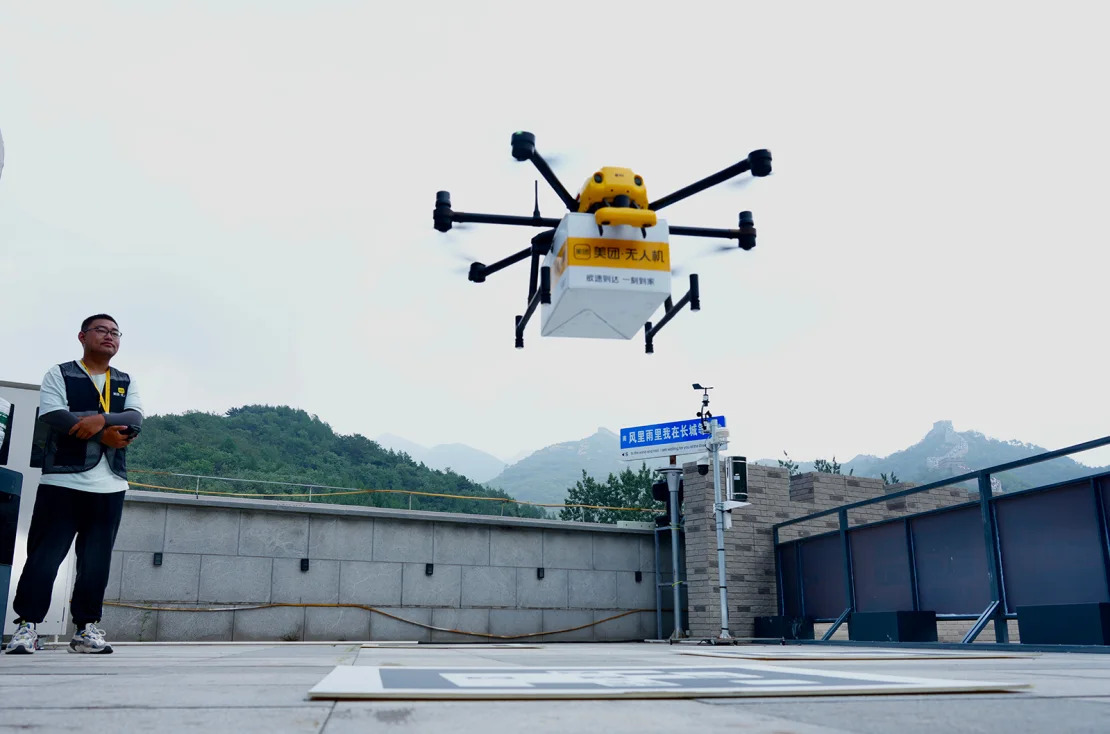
(453,683)
(846,654)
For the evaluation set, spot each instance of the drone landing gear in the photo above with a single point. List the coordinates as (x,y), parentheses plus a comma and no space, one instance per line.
(537,292)
(692,297)
(540,295)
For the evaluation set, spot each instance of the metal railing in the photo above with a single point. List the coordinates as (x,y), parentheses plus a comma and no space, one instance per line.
(323,492)
(996,610)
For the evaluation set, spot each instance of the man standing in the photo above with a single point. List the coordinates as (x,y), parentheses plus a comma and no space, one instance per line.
(92,413)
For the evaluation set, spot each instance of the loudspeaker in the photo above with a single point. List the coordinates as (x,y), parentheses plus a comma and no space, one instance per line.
(1065,624)
(892,626)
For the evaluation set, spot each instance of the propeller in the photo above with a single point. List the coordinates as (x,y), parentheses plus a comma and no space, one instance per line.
(688,265)
(739,183)
(462,258)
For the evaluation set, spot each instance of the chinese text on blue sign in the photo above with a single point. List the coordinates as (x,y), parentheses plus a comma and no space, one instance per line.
(666,439)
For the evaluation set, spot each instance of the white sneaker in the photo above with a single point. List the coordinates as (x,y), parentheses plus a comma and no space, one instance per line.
(25,640)
(90,640)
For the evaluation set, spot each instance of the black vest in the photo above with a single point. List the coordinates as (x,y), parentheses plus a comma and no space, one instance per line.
(65,454)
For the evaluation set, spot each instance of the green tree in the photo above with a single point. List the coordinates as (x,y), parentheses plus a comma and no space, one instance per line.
(789,465)
(627,489)
(892,479)
(281,444)
(829,467)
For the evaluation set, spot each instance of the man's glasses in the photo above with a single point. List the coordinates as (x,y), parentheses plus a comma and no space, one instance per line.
(103,331)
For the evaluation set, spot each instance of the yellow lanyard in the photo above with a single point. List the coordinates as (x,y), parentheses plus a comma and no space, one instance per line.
(106,396)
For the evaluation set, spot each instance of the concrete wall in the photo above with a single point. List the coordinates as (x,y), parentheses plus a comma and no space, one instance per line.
(220,552)
(749,550)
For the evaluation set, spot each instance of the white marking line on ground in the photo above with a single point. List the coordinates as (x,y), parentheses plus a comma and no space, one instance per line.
(448,646)
(598,682)
(856,655)
(226,643)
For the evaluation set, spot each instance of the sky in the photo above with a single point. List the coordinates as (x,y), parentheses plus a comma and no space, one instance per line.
(248,188)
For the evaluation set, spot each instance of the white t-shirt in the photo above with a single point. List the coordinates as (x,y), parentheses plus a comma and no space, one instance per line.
(52,397)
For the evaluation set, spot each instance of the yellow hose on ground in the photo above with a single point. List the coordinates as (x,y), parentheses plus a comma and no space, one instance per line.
(238,608)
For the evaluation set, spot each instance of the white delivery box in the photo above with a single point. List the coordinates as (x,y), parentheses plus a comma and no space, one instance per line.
(605,284)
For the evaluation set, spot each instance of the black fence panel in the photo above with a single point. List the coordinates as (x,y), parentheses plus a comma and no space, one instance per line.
(881,568)
(1051,547)
(791,584)
(951,561)
(823,577)
(1103,483)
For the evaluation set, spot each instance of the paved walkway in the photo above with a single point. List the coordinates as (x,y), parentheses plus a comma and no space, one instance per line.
(263,688)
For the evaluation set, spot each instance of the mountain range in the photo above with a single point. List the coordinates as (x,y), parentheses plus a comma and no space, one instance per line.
(945,452)
(546,475)
(261,449)
(470,462)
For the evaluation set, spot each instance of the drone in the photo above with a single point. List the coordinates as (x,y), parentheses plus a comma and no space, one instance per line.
(606,263)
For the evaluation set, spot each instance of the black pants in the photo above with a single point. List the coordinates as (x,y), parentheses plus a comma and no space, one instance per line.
(59,515)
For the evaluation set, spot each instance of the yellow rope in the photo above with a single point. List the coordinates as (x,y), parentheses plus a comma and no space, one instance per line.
(151,608)
(370,491)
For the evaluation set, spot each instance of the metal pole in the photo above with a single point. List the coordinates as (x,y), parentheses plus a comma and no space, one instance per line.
(198,488)
(658,589)
(846,552)
(780,587)
(719,512)
(672,487)
(994,566)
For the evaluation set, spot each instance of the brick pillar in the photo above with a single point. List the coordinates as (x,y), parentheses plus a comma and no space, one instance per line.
(749,554)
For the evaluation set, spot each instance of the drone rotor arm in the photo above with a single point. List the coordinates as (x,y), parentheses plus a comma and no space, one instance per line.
(524,149)
(758,162)
(744,234)
(479,271)
(475,218)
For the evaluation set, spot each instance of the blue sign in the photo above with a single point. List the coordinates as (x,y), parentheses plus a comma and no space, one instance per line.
(666,439)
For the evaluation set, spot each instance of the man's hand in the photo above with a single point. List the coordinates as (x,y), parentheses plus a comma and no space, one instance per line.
(114,437)
(88,427)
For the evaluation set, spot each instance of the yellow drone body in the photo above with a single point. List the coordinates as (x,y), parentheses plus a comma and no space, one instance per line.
(616,196)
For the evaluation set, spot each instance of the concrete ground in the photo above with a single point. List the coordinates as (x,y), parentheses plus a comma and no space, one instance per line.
(152,687)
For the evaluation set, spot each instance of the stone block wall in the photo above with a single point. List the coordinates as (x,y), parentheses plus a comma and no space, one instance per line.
(225,552)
